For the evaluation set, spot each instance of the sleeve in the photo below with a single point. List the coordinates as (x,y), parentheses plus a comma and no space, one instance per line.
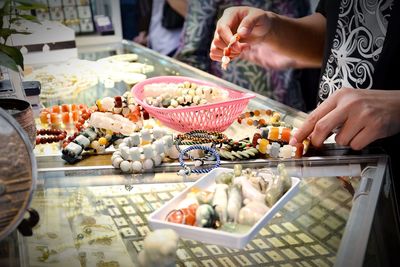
(321,7)
(197,34)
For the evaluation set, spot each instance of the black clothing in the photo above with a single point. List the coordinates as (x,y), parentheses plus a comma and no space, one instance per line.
(362,51)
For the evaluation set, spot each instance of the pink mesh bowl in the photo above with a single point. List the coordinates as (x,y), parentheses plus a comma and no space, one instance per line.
(210,117)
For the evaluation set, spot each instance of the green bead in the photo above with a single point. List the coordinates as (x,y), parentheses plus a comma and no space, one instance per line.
(237,169)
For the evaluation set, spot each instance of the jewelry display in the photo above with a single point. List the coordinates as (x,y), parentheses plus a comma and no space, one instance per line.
(44,136)
(177,95)
(198,162)
(142,151)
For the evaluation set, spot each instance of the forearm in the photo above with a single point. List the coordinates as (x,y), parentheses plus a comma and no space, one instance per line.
(300,39)
(179,6)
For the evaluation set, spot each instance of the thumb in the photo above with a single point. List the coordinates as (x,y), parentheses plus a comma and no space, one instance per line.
(247,25)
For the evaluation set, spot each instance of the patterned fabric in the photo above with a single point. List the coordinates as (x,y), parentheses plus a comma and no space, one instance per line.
(358,42)
(198,32)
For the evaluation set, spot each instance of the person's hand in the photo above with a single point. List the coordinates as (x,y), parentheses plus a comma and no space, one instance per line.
(141,38)
(361,116)
(266,57)
(252,24)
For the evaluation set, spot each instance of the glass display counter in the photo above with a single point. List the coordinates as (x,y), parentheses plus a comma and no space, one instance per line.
(335,219)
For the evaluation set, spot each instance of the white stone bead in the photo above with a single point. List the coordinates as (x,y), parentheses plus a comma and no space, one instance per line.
(134,153)
(117,161)
(174,103)
(135,139)
(108,103)
(172,152)
(125,166)
(168,141)
(157,160)
(199,91)
(159,146)
(146,135)
(136,166)
(127,141)
(148,151)
(148,164)
(125,152)
(158,132)
(82,140)
(95,144)
(101,149)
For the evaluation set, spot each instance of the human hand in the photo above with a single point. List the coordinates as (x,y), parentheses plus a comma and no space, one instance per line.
(362,116)
(266,57)
(252,24)
(141,38)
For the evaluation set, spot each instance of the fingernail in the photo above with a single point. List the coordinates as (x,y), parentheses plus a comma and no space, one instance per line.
(293,141)
(243,31)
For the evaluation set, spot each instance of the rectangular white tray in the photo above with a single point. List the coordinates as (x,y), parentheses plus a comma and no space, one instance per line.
(208,235)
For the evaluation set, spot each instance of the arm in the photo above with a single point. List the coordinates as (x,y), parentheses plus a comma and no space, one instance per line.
(179,6)
(300,39)
(361,117)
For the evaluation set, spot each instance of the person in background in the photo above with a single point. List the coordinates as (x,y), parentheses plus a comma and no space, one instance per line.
(160,24)
(272,80)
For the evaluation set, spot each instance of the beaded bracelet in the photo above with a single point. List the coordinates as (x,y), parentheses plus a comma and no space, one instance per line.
(187,171)
(142,151)
(274,118)
(53,135)
(242,149)
(199,137)
(202,136)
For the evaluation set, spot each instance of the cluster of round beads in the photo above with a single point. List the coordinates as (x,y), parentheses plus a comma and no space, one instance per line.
(67,114)
(268,117)
(142,151)
(274,142)
(51,136)
(184,94)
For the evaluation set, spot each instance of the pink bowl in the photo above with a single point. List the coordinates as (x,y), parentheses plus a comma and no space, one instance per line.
(210,117)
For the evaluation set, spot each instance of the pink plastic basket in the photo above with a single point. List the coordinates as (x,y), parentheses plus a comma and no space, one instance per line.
(210,117)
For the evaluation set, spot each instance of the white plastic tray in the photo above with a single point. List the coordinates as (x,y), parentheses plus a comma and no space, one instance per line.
(209,235)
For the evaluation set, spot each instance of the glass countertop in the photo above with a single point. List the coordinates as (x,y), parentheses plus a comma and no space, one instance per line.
(308,231)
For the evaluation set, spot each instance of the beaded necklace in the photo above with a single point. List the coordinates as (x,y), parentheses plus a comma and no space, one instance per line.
(50,136)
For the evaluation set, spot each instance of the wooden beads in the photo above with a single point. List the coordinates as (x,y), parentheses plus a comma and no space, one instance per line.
(53,135)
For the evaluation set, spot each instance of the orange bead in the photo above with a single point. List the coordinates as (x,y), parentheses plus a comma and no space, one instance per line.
(285,136)
(247,114)
(75,115)
(65,108)
(74,107)
(54,118)
(55,109)
(299,150)
(268,112)
(249,122)
(262,122)
(65,117)
(256,112)
(273,134)
(44,117)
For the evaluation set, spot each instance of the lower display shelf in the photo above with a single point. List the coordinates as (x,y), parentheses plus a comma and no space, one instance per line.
(306,232)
